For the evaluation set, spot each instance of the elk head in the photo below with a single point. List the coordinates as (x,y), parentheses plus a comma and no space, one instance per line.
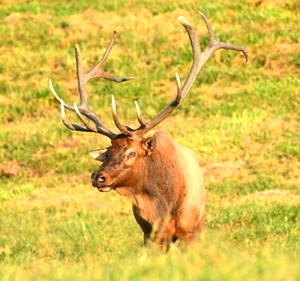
(119,160)
(130,145)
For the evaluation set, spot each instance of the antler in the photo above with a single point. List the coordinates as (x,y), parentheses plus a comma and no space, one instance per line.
(199,60)
(83,108)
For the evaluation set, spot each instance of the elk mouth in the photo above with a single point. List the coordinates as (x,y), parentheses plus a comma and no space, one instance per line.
(104,188)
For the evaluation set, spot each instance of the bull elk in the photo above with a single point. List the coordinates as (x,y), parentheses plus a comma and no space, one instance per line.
(161,177)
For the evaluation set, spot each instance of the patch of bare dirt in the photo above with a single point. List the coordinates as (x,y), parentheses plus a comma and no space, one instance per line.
(222,170)
(70,195)
(276,3)
(272,195)
(10,169)
(280,65)
(16,18)
(215,91)
(65,145)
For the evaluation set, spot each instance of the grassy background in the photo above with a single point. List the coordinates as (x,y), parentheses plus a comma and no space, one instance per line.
(241,119)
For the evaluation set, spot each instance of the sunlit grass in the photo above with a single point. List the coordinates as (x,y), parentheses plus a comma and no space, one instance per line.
(242,119)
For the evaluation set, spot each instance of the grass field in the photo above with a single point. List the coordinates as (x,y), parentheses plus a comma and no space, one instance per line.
(242,119)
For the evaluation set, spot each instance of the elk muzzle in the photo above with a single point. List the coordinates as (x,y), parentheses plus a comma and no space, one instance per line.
(102,181)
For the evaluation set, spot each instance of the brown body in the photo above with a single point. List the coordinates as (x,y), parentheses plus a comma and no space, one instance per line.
(161,177)
(163,181)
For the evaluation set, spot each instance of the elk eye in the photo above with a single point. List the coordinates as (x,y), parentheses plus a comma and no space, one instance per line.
(131,155)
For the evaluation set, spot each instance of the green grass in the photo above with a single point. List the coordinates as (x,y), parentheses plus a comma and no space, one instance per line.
(242,119)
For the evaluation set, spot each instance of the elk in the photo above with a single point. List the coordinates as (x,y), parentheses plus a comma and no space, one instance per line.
(161,177)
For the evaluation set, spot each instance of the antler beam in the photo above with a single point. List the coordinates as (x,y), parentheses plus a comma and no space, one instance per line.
(199,60)
(83,108)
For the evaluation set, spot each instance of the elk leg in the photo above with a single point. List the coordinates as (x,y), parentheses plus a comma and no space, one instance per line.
(145,225)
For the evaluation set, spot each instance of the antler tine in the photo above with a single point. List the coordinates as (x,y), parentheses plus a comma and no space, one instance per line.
(89,127)
(98,71)
(138,114)
(67,123)
(199,60)
(179,92)
(55,95)
(119,125)
(214,45)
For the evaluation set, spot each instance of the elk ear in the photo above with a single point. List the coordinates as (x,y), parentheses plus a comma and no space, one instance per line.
(149,145)
(99,154)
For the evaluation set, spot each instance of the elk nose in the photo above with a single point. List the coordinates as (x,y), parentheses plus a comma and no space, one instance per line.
(99,179)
